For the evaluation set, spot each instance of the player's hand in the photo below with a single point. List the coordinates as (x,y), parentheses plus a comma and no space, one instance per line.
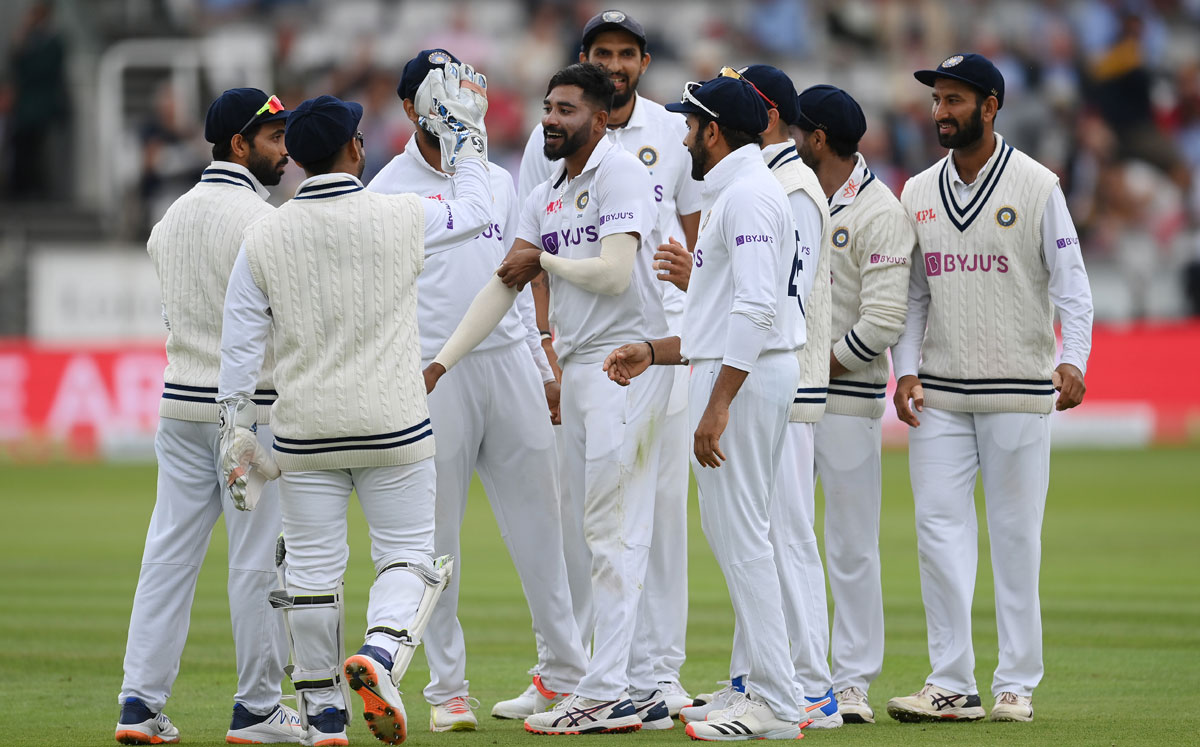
(432,373)
(552,359)
(553,393)
(1068,380)
(451,103)
(708,436)
(909,388)
(241,453)
(521,265)
(835,366)
(627,361)
(674,264)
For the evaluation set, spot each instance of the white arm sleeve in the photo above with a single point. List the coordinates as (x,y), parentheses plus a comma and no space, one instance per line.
(906,353)
(449,223)
(1069,288)
(485,312)
(245,326)
(609,274)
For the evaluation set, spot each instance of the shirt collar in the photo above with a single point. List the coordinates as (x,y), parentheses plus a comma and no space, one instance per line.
(639,118)
(226,172)
(859,176)
(412,150)
(601,149)
(324,186)
(730,167)
(777,154)
(956,179)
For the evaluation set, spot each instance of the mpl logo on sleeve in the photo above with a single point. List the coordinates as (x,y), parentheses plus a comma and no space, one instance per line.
(550,242)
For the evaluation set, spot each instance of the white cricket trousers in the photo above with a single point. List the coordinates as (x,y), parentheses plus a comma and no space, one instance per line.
(659,642)
(190,499)
(398,503)
(1012,451)
(611,448)
(490,415)
(735,512)
(848,453)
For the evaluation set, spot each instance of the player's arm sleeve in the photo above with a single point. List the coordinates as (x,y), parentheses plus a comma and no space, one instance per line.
(885,254)
(906,353)
(485,312)
(535,167)
(245,327)
(1069,288)
(608,275)
(754,265)
(809,239)
(451,222)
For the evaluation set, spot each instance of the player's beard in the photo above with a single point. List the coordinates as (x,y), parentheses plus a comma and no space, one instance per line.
(267,172)
(571,142)
(805,152)
(622,98)
(964,134)
(700,159)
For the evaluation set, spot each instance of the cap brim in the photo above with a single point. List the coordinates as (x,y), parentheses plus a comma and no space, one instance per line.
(684,107)
(928,77)
(276,117)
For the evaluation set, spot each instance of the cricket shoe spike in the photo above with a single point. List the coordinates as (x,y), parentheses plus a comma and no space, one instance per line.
(382,707)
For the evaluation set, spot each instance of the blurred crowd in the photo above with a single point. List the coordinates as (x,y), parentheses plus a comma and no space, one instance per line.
(1104,92)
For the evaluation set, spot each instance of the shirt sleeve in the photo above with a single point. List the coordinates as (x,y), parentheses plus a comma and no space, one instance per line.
(809,238)
(884,253)
(245,327)
(1069,288)
(906,353)
(535,167)
(449,223)
(624,197)
(752,231)
(529,220)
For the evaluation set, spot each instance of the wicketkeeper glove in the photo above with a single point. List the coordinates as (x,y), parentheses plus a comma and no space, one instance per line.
(451,103)
(241,453)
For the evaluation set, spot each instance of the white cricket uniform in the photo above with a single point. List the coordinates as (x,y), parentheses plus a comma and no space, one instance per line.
(490,415)
(741,311)
(610,450)
(334,272)
(871,251)
(655,136)
(193,248)
(995,257)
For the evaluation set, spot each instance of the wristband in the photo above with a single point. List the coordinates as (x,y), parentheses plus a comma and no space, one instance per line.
(651,352)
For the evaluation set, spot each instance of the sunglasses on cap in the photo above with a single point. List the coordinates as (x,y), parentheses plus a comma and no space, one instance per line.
(273,106)
(728,72)
(688,98)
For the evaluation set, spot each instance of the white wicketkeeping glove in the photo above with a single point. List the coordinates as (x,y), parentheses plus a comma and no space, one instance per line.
(245,464)
(451,103)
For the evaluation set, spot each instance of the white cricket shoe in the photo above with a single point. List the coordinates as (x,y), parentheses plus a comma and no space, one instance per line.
(382,707)
(326,729)
(578,715)
(278,726)
(823,711)
(1012,707)
(675,696)
(854,706)
(932,703)
(712,702)
(139,725)
(749,718)
(536,699)
(652,710)
(455,714)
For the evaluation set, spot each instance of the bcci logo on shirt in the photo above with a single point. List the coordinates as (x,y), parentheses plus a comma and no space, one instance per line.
(841,237)
(582,200)
(648,156)
(1006,216)
(550,242)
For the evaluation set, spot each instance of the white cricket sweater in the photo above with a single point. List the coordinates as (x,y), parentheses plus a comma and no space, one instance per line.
(193,248)
(871,252)
(989,340)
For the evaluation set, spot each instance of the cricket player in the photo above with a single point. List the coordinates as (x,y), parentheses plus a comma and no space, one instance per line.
(870,251)
(743,328)
(489,415)
(334,272)
(617,42)
(193,248)
(585,226)
(997,254)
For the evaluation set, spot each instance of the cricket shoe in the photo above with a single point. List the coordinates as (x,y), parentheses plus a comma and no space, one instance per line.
(706,703)
(369,674)
(652,710)
(280,725)
(748,718)
(854,707)
(823,711)
(139,725)
(456,714)
(1012,707)
(537,698)
(932,703)
(327,729)
(675,696)
(579,715)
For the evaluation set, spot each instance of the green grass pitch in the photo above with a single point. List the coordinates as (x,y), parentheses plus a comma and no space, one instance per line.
(1120,598)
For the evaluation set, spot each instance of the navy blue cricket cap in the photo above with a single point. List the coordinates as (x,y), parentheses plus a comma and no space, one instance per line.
(734,102)
(611,20)
(418,67)
(973,69)
(233,110)
(318,127)
(775,85)
(829,108)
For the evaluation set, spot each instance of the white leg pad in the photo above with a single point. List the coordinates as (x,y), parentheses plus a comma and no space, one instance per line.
(436,579)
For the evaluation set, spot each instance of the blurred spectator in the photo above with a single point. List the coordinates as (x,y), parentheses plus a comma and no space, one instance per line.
(173,155)
(38,118)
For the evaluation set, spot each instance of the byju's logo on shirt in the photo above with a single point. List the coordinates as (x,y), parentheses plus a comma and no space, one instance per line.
(615,216)
(937,263)
(550,242)
(1069,241)
(754,238)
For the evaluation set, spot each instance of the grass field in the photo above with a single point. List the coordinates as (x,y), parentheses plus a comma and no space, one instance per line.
(1120,599)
